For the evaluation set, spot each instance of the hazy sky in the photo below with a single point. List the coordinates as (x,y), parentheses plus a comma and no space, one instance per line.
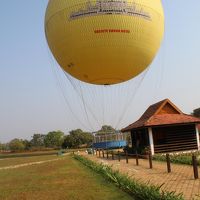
(34,100)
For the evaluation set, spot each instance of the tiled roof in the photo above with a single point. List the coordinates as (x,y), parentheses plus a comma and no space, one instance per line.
(151,117)
(151,110)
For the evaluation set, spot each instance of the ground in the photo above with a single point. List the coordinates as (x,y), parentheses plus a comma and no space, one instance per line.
(180,180)
(57,178)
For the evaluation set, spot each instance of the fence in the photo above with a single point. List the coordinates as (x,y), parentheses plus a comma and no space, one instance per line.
(119,155)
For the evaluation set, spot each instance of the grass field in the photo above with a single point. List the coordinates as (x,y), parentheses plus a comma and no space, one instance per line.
(28,154)
(22,160)
(64,179)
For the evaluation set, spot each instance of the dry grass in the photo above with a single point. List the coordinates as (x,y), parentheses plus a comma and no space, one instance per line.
(27,154)
(21,160)
(65,179)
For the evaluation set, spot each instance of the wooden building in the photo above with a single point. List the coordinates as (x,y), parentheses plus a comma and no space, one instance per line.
(164,128)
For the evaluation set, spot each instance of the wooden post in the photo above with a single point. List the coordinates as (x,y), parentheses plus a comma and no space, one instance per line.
(96,151)
(150,160)
(126,157)
(118,156)
(112,155)
(168,163)
(197,136)
(195,166)
(137,159)
(107,153)
(99,153)
(103,153)
(151,140)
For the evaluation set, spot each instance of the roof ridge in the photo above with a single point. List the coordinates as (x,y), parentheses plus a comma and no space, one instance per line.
(164,103)
(160,107)
(151,117)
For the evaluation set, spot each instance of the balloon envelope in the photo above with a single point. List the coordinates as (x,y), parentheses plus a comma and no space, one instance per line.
(104,41)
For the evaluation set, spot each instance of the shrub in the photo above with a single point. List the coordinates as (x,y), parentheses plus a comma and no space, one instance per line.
(180,158)
(137,190)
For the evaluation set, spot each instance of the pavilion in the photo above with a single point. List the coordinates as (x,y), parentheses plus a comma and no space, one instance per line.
(165,128)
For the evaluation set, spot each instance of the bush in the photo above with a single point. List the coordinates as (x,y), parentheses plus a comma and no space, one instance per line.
(16,145)
(179,158)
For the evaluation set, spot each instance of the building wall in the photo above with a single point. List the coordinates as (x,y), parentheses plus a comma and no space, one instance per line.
(140,140)
(174,138)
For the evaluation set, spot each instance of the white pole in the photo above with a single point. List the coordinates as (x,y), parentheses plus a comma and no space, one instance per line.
(151,140)
(197,135)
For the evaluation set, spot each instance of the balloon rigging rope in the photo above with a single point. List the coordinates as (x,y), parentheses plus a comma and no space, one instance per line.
(130,101)
(162,65)
(116,93)
(75,88)
(91,95)
(80,94)
(132,88)
(84,105)
(103,107)
(61,88)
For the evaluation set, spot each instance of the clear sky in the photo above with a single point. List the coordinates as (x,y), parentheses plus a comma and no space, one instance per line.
(33,100)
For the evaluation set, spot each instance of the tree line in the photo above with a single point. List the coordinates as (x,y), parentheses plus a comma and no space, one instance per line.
(57,139)
(54,140)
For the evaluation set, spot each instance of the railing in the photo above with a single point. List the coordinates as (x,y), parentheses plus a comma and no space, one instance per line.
(119,155)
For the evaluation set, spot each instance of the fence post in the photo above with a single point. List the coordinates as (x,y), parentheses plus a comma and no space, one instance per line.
(126,157)
(168,163)
(195,166)
(96,151)
(137,159)
(118,156)
(103,153)
(99,153)
(112,155)
(150,160)
(107,154)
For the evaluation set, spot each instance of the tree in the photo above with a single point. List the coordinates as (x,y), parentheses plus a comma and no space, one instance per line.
(4,147)
(27,144)
(196,112)
(76,138)
(1,146)
(16,145)
(37,140)
(54,139)
(68,142)
(106,129)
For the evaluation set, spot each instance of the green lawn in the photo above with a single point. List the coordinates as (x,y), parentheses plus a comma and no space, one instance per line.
(64,179)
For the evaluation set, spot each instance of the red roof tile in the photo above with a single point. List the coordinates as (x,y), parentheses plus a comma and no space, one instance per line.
(167,119)
(152,117)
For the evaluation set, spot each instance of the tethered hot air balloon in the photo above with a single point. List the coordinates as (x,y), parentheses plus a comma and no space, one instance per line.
(104,42)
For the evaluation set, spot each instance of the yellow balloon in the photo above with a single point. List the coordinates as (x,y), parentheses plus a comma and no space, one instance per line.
(104,41)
